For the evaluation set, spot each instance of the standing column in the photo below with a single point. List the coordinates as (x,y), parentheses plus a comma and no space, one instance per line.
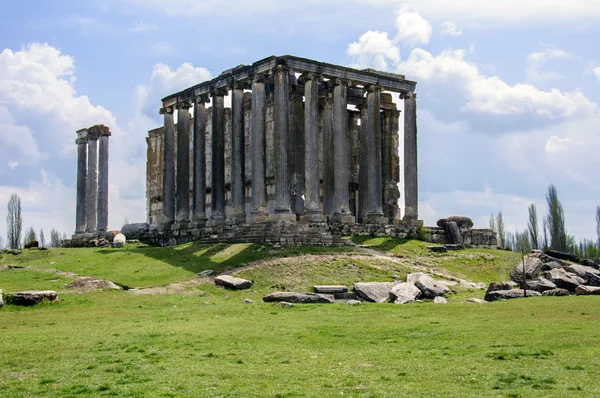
(238,173)
(281,127)
(199,184)
(218,157)
(103,180)
(341,165)
(183,164)
(411,187)
(354,144)
(296,147)
(373,133)
(363,191)
(80,214)
(328,177)
(257,137)
(312,206)
(92,181)
(168,188)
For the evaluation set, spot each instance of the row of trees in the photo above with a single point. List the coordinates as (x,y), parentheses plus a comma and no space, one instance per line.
(14,229)
(553,234)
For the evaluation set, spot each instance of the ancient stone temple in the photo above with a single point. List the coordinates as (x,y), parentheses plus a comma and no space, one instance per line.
(308,146)
(92,182)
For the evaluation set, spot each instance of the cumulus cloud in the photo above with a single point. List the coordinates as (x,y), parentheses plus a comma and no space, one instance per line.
(412,28)
(596,72)
(558,145)
(373,50)
(537,60)
(450,29)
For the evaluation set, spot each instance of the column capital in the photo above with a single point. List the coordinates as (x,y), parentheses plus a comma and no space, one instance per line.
(219,92)
(93,134)
(166,109)
(186,104)
(408,94)
(82,136)
(337,81)
(100,130)
(371,88)
(281,68)
(310,76)
(239,85)
(259,78)
(201,99)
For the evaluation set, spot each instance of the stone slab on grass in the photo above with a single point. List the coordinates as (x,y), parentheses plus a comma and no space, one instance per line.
(330,289)
(299,298)
(375,292)
(231,282)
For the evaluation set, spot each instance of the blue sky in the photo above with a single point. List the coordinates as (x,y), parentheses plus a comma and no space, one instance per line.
(508,93)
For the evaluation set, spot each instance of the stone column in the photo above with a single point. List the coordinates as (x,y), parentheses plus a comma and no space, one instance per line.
(80,214)
(103,180)
(340,154)
(364,157)
(328,177)
(183,164)
(281,130)
(312,205)
(218,157)
(238,173)
(411,187)
(199,184)
(354,144)
(373,133)
(92,182)
(168,188)
(296,147)
(257,136)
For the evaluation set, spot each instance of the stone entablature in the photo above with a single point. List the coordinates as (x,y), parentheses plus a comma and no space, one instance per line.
(290,148)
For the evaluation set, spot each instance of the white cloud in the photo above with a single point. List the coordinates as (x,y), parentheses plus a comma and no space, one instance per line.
(596,72)
(537,60)
(373,50)
(13,165)
(558,145)
(412,27)
(450,29)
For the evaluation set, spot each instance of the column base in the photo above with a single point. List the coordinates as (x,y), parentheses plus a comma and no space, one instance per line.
(374,218)
(289,217)
(166,226)
(259,215)
(198,222)
(181,224)
(239,218)
(312,217)
(217,220)
(342,219)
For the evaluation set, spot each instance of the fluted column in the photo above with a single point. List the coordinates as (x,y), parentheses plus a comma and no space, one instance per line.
(168,188)
(92,182)
(257,137)
(103,180)
(364,157)
(199,179)
(390,166)
(183,164)
(80,212)
(374,208)
(328,177)
(411,186)
(218,157)
(296,147)
(238,200)
(341,164)
(312,206)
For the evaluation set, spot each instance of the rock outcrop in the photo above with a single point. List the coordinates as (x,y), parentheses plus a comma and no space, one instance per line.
(404,293)
(376,292)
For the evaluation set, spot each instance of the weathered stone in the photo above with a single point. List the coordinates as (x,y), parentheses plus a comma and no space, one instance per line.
(299,298)
(562,255)
(143,246)
(448,283)
(472,285)
(14,252)
(205,273)
(34,244)
(28,298)
(135,230)
(495,286)
(555,292)
(1,301)
(247,301)
(346,296)
(582,290)
(232,282)
(429,287)
(440,300)
(353,302)
(591,275)
(461,222)
(376,292)
(540,284)
(119,241)
(533,268)
(88,283)
(509,294)
(589,263)
(475,300)
(453,234)
(330,289)
(437,249)
(285,304)
(454,246)
(552,265)
(404,293)
(560,278)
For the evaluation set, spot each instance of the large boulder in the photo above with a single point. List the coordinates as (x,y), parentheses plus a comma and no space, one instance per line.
(562,255)
(232,282)
(31,297)
(119,240)
(428,286)
(562,279)
(556,292)
(300,298)
(589,263)
(540,284)
(509,294)
(133,231)
(34,244)
(404,293)
(461,221)
(494,286)
(587,290)
(550,265)
(453,235)
(591,275)
(376,292)
(533,268)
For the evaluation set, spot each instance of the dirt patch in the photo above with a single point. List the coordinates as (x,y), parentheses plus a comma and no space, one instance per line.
(173,288)
(89,284)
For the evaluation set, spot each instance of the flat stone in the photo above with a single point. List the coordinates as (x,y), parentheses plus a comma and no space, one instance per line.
(555,292)
(587,290)
(472,285)
(30,297)
(404,293)
(205,273)
(232,282)
(437,249)
(454,246)
(440,300)
(330,289)
(475,300)
(494,286)
(562,280)
(346,296)
(88,283)
(247,301)
(550,265)
(540,284)
(376,292)
(285,304)
(509,294)
(429,287)
(299,298)
(353,302)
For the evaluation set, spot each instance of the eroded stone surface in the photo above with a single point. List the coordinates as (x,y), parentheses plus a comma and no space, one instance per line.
(509,294)
(376,292)
(232,282)
(404,293)
(299,298)
(32,297)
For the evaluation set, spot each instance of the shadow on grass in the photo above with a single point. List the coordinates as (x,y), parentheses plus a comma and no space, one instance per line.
(385,244)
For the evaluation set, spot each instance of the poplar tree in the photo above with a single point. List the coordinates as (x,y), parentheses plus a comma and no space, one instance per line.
(532,227)
(556,221)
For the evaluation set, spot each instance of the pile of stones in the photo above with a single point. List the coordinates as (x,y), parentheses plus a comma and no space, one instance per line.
(541,274)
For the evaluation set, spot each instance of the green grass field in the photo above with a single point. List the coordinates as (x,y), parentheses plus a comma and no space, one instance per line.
(205,342)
